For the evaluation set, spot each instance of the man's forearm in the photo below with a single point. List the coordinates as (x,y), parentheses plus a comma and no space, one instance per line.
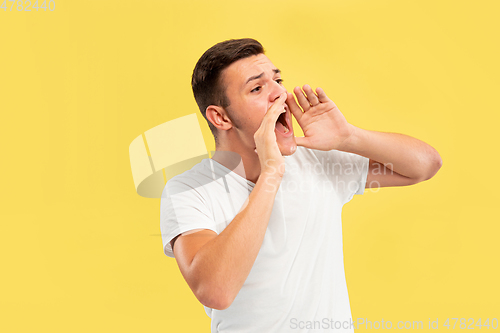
(222,265)
(403,154)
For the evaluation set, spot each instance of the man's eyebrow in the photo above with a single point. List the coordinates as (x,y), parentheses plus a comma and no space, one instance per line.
(255,77)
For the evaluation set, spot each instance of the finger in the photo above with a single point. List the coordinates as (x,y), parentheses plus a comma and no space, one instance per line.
(266,130)
(311,96)
(302,141)
(322,96)
(303,102)
(293,106)
(275,110)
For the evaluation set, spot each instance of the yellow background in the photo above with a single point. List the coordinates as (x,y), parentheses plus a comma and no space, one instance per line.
(81,250)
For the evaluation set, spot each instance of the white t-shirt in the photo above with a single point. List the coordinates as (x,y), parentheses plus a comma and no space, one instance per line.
(297,282)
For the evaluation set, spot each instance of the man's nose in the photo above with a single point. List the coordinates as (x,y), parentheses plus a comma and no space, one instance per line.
(277,91)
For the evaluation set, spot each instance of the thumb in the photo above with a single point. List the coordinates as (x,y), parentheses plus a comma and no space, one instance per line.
(302,141)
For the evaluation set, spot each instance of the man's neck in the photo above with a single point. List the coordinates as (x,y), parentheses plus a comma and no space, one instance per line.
(245,164)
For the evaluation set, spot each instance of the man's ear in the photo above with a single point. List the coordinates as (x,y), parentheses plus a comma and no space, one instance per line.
(218,117)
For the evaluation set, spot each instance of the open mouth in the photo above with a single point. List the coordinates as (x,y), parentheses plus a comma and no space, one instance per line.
(283,124)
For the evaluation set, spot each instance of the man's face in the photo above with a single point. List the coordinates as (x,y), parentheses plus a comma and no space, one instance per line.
(252,86)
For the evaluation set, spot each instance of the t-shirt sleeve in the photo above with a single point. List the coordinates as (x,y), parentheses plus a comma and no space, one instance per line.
(347,171)
(183,208)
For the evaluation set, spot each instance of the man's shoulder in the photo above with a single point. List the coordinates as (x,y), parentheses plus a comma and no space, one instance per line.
(190,179)
(203,175)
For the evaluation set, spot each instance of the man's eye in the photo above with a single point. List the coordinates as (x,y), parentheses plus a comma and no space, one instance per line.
(256,89)
(280,81)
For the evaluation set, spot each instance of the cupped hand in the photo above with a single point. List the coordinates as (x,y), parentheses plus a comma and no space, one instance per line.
(271,160)
(324,126)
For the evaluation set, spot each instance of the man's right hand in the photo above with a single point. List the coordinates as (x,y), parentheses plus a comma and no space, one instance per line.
(271,161)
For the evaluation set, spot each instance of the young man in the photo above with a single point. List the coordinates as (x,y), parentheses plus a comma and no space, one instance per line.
(256,229)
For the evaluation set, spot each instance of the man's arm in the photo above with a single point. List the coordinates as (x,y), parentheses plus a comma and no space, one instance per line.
(395,159)
(216,266)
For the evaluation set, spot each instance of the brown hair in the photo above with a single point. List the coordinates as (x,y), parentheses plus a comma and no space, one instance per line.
(208,88)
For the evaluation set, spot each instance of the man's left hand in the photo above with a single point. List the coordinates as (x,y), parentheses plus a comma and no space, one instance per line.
(324,126)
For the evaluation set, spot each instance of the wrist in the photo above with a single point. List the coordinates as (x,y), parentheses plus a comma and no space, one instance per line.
(351,142)
(271,174)
(270,179)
